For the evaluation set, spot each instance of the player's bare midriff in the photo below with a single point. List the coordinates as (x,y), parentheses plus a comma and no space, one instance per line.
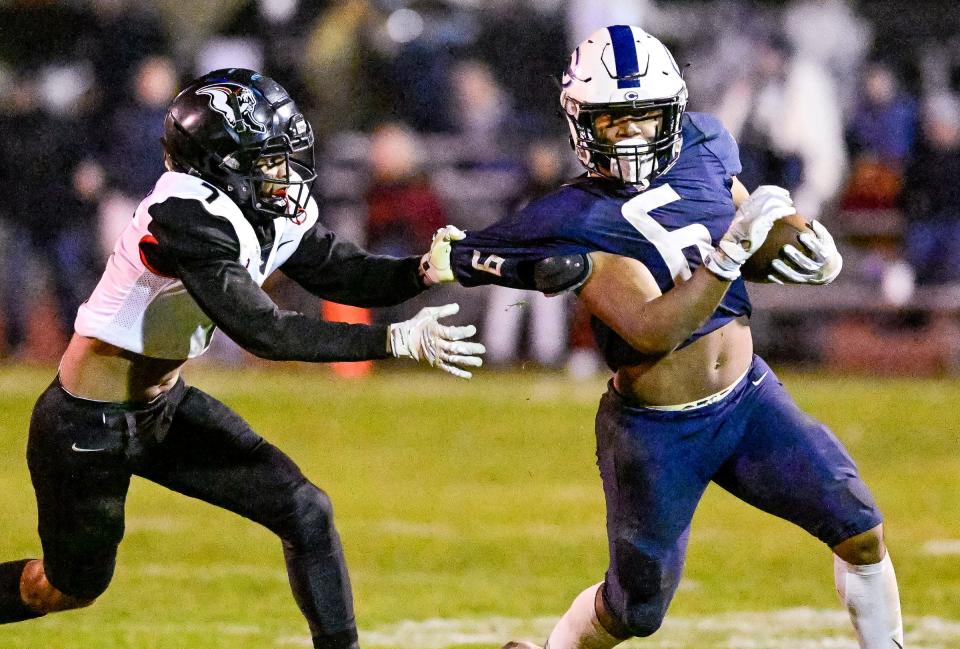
(707,366)
(93,369)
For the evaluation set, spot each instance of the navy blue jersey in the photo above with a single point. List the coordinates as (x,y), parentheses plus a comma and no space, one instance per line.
(669,228)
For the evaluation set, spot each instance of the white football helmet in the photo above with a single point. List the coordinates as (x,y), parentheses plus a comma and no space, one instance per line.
(622,71)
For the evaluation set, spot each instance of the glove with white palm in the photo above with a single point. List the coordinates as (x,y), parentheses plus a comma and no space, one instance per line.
(748,230)
(424,339)
(819,264)
(435,263)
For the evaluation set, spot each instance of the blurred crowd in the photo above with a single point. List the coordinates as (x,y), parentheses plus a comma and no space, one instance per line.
(437,111)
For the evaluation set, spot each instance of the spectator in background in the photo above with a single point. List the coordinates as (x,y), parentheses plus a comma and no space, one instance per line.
(884,123)
(786,118)
(123,33)
(881,137)
(508,309)
(402,208)
(282,27)
(131,158)
(332,64)
(49,149)
(487,122)
(395,59)
(931,202)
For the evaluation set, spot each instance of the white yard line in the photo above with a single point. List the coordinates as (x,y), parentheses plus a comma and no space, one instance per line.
(942,547)
(797,628)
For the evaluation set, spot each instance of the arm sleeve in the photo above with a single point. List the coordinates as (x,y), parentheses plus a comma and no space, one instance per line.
(340,271)
(201,250)
(510,252)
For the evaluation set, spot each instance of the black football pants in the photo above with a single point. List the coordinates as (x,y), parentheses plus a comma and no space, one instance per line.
(82,453)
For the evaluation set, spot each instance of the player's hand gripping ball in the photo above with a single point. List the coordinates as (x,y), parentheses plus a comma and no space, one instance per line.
(793,254)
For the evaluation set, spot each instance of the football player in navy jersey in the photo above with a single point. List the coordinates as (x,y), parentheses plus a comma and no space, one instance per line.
(652,239)
(233,207)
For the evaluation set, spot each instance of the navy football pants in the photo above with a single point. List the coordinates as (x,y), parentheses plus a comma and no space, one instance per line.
(755,443)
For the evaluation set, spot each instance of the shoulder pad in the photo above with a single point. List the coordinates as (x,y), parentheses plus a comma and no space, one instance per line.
(177,185)
(181,185)
(709,126)
(561,273)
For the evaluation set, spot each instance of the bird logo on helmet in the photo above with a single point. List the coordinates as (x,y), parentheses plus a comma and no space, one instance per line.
(236,104)
(622,71)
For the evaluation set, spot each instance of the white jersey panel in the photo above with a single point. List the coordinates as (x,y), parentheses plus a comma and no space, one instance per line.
(143,312)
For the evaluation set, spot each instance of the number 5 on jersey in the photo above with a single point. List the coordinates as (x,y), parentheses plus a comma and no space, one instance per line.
(669,243)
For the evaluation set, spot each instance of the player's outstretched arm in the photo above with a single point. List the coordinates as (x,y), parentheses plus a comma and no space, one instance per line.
(424,339)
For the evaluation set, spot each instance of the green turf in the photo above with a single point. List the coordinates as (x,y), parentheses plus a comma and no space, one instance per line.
(478,500)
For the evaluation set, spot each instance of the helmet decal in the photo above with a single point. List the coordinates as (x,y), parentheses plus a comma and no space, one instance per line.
(235,103)
(570,74)
(625,54)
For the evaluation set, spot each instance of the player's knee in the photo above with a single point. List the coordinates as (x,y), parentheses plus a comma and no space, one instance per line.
(644,599)
(312,515)
(642,619)
(863,549)
(43,597)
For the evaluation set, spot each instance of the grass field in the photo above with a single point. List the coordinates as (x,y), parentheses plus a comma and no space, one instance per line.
(472,512)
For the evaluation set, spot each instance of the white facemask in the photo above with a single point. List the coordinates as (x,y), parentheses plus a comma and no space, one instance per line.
(633,169)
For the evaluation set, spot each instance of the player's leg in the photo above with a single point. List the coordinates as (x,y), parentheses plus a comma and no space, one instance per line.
(653,466)
(867,586)
(211,453)
(76,455)
(792,466)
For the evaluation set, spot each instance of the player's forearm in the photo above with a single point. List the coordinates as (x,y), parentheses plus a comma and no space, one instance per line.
(382,282)
(235,303)
(671,318)
(296,337)
(351,276)
(659,325)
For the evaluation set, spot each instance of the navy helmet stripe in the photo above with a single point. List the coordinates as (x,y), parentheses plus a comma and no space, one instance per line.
(625,55)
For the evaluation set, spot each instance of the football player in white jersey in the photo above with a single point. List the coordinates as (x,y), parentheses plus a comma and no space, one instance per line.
(233,207)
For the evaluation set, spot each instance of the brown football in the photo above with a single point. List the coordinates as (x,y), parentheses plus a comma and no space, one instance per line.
(784,231)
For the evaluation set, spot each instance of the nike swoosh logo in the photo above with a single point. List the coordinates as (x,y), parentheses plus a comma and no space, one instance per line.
(757,382)
(897,643)
(283,243)
(80,449)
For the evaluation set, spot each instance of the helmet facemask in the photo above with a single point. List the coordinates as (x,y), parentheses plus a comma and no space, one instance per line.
(284,194)
(636,160)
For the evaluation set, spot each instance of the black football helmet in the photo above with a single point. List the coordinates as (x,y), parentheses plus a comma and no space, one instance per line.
(225,124)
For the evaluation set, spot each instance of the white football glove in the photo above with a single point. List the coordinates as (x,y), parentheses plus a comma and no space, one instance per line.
(435,263)
(424,339)
(819,264)
(750,227)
